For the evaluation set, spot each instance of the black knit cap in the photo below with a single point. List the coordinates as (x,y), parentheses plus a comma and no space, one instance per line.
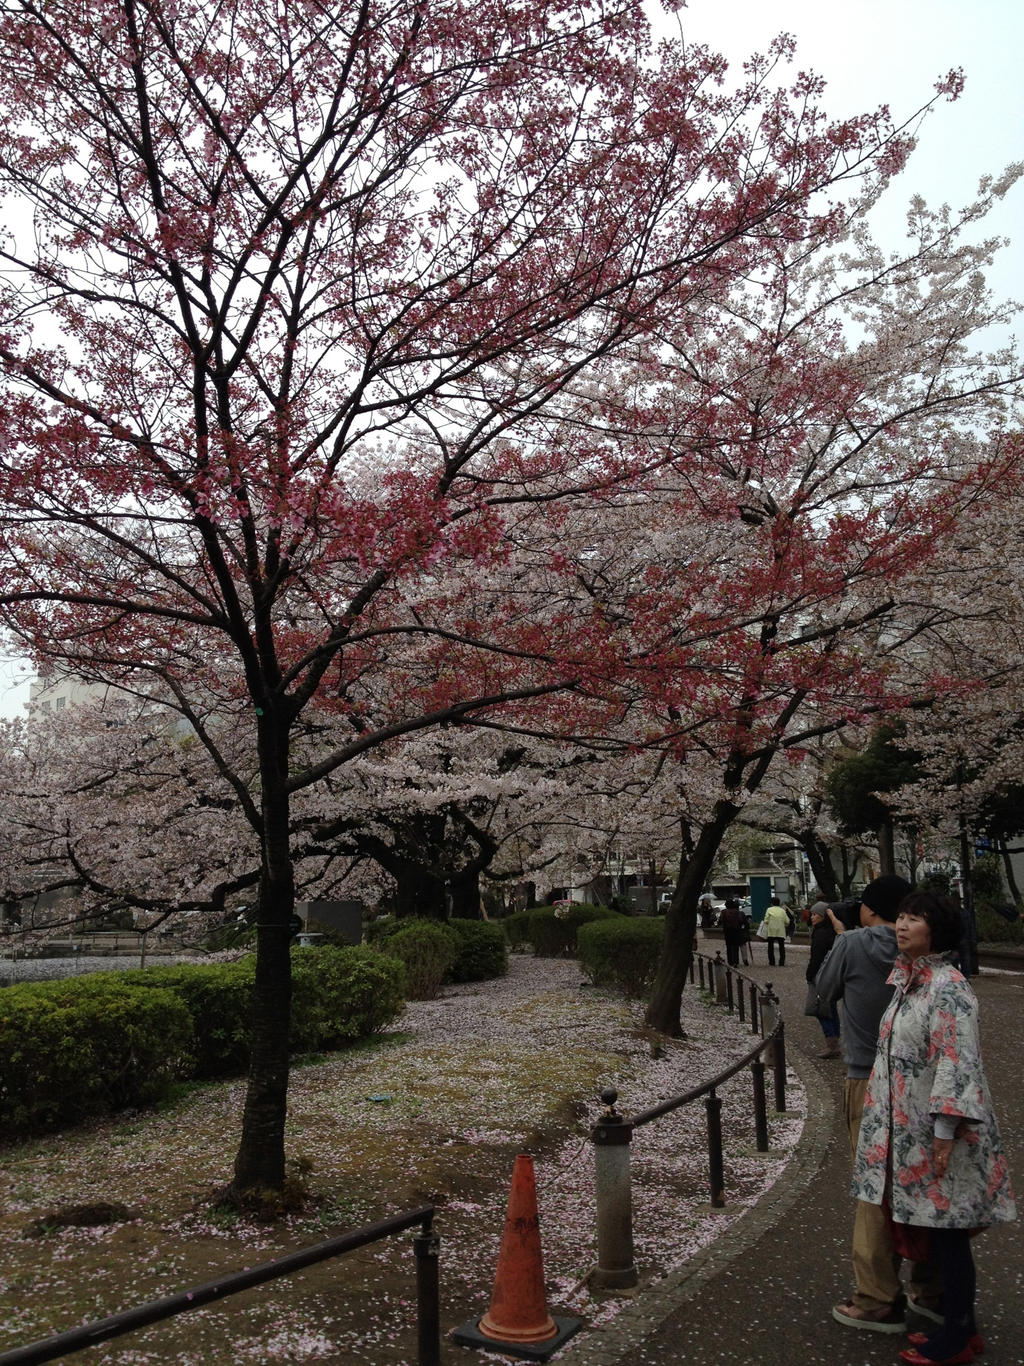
(883,896)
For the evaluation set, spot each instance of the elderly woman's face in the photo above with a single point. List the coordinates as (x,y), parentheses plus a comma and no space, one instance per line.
(913,935)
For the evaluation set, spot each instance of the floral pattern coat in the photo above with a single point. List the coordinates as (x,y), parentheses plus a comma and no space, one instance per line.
(928,1063)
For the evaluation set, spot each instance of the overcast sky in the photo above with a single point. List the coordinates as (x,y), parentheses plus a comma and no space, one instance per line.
(892,52)
(875,52)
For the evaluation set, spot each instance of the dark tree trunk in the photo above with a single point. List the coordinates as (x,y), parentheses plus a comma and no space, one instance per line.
(464,890)
(418,894)
(886,850)
(259,1164)
(818,856)
(849,870)
(681,924)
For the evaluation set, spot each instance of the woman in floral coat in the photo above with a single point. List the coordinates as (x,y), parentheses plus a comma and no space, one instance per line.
(929,1143)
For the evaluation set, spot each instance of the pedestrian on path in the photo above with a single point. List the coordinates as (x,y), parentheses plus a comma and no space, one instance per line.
(776,927)
(856,971)
(929,1143)
(736,931)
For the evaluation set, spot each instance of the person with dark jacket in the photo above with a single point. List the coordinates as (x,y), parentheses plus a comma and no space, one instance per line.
(856,971)
(823,936)
(736,929)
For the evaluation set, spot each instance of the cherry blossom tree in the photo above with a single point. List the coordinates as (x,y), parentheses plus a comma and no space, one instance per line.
(305,306)
(826,441)
(969,740)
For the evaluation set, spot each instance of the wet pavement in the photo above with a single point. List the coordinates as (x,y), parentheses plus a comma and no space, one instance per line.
(762,1296)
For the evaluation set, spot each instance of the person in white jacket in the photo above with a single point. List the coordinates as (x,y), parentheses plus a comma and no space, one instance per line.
(776,927)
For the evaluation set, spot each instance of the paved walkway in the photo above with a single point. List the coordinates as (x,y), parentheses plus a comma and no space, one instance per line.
(762,1295)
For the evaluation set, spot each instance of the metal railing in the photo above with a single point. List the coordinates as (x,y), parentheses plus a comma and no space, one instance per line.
(612,1135)
(426,1246)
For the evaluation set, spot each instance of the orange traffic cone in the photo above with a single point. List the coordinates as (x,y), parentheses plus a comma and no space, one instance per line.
(518,1319)
(518,1312)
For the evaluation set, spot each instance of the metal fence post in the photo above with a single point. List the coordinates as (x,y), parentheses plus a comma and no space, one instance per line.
(760,1108)
(611,1136)
(718,978)
(769,1005)
(753,1008)
(779,1059)
(427,1245)
(716,1163)
(728,990)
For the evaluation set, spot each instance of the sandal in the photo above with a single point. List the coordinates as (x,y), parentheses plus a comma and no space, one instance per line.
(886,1319)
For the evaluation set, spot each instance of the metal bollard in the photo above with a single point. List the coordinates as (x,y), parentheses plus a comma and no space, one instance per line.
(427,1246)
(779,1060)
(716,1163)
(718,979)
(728,990)
(769,1004)
(753,1008)
(612,1135)
(760,1107)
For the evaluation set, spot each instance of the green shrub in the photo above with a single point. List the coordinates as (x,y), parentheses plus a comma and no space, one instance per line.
(86,1046)
(622,954)
(481,951)
(218,996)
(552,930)
(427,949)
(516,929)
(342,993)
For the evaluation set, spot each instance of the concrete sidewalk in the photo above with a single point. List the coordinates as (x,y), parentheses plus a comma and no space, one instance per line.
(762,1295)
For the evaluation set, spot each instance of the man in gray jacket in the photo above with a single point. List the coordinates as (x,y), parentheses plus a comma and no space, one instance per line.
(856,972)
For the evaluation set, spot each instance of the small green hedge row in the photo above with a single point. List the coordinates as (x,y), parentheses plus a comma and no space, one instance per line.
(340,994)
(217,997)
(86,1046)
(551,930)
(622,954)
(426,949)
(516,928)
(482,953)
(435,952)
(73,1049)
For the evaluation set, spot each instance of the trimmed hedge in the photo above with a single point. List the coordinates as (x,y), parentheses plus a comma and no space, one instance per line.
(516,929)
(341,993)
(85,1046)
(622,954)
(218,998)
(476,952)
(482,952)
(338,994)
(427,950)
(552,930)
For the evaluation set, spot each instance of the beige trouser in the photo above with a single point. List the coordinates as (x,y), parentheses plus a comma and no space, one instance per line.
(876,1267)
